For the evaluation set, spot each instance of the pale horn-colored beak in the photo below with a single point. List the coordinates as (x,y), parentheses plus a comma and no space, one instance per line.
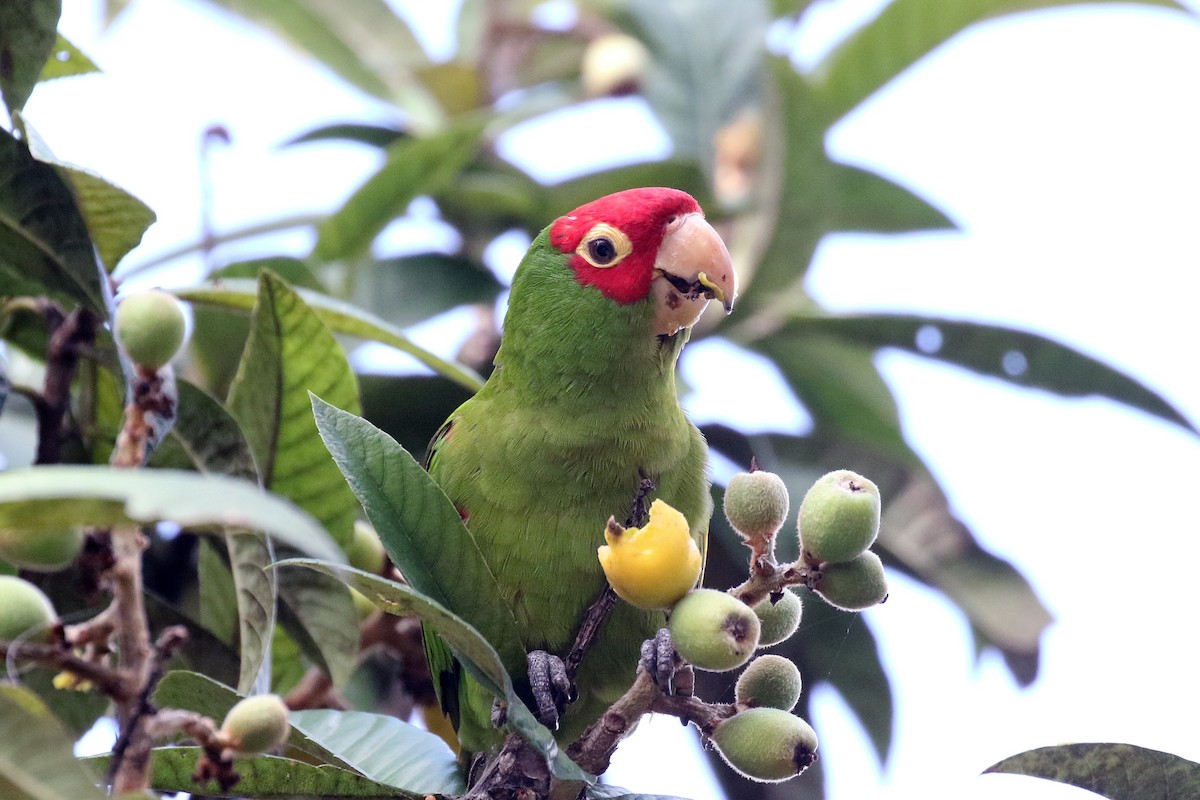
(692,267)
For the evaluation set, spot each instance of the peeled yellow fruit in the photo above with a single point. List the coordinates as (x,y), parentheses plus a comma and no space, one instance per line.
(365,551)
(769,681)
(150,327)
(713,630)
(756,503)
(653,566)
(839,517)
(257,724)
(41,550)
(613,64)
(853,585)
(766,744)
(778,621)
(25,611)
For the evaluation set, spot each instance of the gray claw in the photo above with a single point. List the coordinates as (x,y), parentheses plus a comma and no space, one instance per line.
(552,689)
(659,659)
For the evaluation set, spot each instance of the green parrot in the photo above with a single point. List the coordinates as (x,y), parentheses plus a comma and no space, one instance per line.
(581,406)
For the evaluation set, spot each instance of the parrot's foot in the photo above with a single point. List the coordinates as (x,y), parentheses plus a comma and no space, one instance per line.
(552,687)
(660,660)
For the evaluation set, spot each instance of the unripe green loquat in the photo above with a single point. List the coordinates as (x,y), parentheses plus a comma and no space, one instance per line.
(41,550)
(713,630)
(365,551)
(756,503)
(25,611)
(839,517)
(766,744)
(257,724)
(853,585)
(778,621)
(150,327)
(769,681)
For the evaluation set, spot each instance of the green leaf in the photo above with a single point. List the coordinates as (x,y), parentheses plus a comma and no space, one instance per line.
(864,201)
(840,386)
(341,318)
(385,749)
(36,762)
(1025,359)
(410,289)
(601,791)
(203,651)
(218,597)
(413,167)
(289,353)
(57,497)
(470,647)
(192,691)
(208,437)
(707,66)
(205,437)
(115,218)
(903,32)
(318,614)
(1115,771)
(376,135)
(262,777)
(44,242)
(27,34)
(296,271)
(66,60)
(419,526)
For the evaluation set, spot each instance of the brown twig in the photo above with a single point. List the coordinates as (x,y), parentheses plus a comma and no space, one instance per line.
(112,682)
(69,335)
(768,578)
(131,752)
(518,772)
(594,749)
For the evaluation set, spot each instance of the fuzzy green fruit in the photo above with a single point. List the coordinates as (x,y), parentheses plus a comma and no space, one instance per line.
(41,550)
(778,621)
(769,681)
(853,585)
(839,517)
(365,551)
(150,327)
(713,630)
(756,503)
(257,724)
(766,744)
(24,610)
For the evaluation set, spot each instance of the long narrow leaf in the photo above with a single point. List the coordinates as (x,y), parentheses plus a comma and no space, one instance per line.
(57,497)
(903,32)
(1026,359)
(36,762)
(473,651)
(1115,771)
(340,317)
(419,526)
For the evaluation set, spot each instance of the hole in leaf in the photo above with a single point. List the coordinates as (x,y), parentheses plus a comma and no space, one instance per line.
(928,339)
(63,55)
(1014,363)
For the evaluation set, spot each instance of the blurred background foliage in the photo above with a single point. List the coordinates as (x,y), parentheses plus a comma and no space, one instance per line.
(748,132)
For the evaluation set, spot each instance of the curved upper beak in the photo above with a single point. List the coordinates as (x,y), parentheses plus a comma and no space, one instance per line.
(692,267)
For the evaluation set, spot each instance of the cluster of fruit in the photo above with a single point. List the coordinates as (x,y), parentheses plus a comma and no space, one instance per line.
(657,566)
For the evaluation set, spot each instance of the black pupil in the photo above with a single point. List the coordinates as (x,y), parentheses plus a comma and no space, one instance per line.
(602,250)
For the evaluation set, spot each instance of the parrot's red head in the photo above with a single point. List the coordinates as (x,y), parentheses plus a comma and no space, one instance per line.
(639,241)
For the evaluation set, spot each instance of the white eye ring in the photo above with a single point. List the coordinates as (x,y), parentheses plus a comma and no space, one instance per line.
(604,246)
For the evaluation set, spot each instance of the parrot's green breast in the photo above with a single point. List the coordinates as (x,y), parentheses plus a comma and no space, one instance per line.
(582,405)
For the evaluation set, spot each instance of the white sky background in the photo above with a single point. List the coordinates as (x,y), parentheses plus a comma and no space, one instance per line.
(1064,144)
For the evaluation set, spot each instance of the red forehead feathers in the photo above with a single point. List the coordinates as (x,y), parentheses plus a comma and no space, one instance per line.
(641,214)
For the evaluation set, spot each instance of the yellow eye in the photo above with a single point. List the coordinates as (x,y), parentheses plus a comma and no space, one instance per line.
(604,246)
